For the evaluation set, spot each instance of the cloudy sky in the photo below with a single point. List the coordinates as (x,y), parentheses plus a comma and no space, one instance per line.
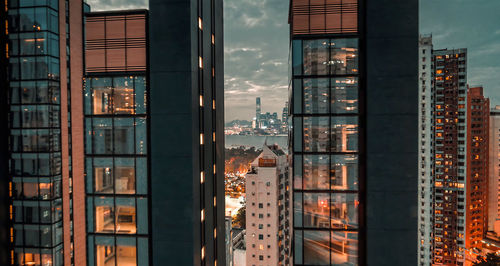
(256,46)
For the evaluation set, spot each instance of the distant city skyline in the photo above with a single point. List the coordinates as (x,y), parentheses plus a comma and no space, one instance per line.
(256,46)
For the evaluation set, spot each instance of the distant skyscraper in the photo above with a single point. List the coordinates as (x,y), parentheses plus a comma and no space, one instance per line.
(478,118)
(354,106)
(494,172)
(267,220)
(258,110)
(284,114)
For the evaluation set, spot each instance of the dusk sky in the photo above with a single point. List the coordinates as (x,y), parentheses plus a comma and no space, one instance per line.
(256,46)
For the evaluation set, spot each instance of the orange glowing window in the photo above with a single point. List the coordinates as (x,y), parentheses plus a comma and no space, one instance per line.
(439,71)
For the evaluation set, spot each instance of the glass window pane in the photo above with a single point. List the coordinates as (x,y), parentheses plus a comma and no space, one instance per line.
(344,134)
(297,57)
(344,248)
(344,209)
(317,247)
(126,255)
(297,209)
(297,96)
(87,96)
(126,216)
(106,255)
(102,136)
(140,136)
(140,95)
(316,99)
(31,235)
(316,172)
(104,215)
(297,134)
(298,247)
(316,57)
(124,176)
(123,95)
(102,100)
(344,95)
(297,170)
(142,245)
(103,174)
(344,56)
(316,210)
(124,136)
(142,175)
(316,134)
(344,172)
(142,215)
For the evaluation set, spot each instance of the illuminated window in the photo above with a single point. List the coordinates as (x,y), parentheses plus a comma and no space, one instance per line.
(202,177)
(200,62)
(201,100)
(201,138)
(200,23)
(203,215)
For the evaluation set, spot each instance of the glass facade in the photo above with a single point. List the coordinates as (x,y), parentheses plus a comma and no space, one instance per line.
(325,145)
(35,134)
(116,172)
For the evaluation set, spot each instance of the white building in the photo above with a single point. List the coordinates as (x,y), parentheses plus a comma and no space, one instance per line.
(267,219)
(425,123)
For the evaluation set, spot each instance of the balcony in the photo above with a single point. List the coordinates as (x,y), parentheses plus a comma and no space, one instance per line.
(267,162)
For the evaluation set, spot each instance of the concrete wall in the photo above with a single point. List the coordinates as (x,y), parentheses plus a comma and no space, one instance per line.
(391,131)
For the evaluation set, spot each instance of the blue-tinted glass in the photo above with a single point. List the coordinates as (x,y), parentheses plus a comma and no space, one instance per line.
(316,134)
(41,21)
(46,214)
(90,250)
(88,136)
(297,134)
(124,175)
(124,136)
(316,96)
(297,171)
(142,176)
(90,214)
(297,96)
(18,235)
(316,172)
(143,251)
(142,216)
(140,95)
(316,57)
(297,57)
(46,235)
(141,144)
(53,21)
(26,19)
(344,56)
(87,97)
(316,210)
(31,214)
(89,175)
(297,209)
(24,3)
(14,70)
(103,175)
(102,141)
(31,235)
(298,247)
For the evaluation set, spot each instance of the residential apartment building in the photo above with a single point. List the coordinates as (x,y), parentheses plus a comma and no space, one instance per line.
(478,119)
(354,112)
(425,158)
(494,172)
(267,219)
(450,151)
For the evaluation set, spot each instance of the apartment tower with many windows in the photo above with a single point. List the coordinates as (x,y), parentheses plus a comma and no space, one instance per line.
(354,111)
(494,172)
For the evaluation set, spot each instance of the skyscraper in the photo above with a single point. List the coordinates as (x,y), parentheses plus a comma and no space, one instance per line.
(186,132)
(126,167)
(43,59)
(478,118)
(449,152)
(494,172)
(426,158)
(117,153)
(267,219)
(258,111)
(353,90)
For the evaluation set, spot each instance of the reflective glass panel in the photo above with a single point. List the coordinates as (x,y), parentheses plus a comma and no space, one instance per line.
(316,134)
(344,172)
(344,134)
(316,99)
(316,247)
(316,210)
(344,95)
(316,172)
